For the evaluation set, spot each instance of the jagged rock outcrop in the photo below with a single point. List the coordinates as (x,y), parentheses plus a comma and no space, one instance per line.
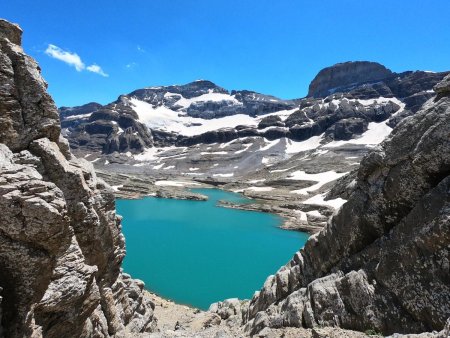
(382,262)
(61,245)
(110,128)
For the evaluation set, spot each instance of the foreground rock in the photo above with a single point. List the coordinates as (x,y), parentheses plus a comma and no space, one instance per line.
(61,245)
(381,263)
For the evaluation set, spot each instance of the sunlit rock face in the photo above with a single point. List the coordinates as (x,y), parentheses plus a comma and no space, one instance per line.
(61,245)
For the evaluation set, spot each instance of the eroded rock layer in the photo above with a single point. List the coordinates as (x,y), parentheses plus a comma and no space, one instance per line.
(61,245)
(382,262)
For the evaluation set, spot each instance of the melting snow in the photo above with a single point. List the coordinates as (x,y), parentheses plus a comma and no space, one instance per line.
(302,214)
(320,178)
(260,188)
(214,153)
(174,183)
(270,144)
(224,175)
(375,134)
(293,147)
(319,200)
(256,181)
(248,145)
(314,213)
(166,119)
(80,116)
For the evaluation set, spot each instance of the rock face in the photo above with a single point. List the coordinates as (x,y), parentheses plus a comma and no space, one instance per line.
(330,79)
(367,80)
(382,262)
(110,128)
(61,245)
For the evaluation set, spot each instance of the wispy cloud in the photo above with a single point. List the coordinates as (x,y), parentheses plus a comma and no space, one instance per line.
(131,65)
(96,69)
(72,59)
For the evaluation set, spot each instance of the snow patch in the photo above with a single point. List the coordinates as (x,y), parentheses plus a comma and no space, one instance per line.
(260,188)
(159,166)
(270,144)
(320,178)
(174,183)
(375,134)
(224,175)
(293,147)
(319,200)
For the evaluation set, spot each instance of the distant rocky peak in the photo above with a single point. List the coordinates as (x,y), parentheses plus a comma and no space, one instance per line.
(189,90)
(341,75)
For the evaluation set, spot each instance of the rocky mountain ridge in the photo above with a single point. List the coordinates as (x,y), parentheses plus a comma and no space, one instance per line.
(61,245)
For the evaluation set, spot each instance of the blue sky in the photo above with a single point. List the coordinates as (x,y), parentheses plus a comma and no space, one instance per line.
(273,47)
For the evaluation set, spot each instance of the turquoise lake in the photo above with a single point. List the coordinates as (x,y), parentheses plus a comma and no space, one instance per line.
(196,253)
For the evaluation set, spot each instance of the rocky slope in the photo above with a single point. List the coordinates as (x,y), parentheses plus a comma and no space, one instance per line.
(382,262)
(61,245)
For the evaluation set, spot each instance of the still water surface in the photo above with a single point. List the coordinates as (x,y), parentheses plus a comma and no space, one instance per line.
(197,253)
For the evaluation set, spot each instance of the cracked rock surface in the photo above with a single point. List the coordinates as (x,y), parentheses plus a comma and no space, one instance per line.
(61,245)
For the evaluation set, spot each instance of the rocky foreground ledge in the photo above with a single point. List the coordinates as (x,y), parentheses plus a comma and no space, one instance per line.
(61,245)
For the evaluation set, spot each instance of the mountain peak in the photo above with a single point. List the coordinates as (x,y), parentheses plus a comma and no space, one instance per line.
(329,79)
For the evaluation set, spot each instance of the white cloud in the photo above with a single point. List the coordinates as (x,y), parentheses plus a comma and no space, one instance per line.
(73,59)
(96,69)
(131,65)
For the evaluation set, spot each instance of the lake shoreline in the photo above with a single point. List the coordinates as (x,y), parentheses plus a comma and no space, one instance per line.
(137,189)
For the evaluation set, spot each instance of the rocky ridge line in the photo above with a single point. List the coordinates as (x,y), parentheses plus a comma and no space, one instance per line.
(343,100)
(61,245)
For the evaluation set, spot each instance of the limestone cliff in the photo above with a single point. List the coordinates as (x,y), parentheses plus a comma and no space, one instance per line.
(61,245)
(382,262)
(344,74)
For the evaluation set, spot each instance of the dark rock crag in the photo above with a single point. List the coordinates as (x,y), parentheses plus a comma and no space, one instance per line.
(331,79)
(61,245)
(382,262)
